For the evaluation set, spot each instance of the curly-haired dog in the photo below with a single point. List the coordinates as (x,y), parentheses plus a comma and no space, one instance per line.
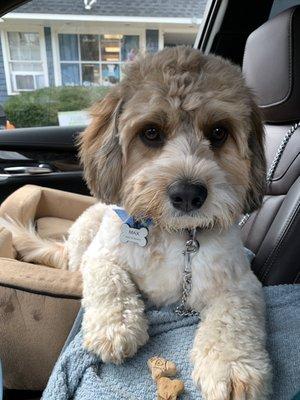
(178,141)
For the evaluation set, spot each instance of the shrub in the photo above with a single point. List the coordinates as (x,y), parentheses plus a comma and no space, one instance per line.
(40,107)
(24,115)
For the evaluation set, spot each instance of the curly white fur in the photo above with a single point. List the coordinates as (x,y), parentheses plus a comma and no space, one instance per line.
(229,353)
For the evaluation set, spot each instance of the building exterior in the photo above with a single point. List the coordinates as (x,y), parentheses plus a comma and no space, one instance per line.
(85,42)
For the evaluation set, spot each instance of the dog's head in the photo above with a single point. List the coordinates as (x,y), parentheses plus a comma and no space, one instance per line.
(179,140)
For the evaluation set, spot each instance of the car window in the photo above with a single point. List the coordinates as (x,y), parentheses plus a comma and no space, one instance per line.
(57,58)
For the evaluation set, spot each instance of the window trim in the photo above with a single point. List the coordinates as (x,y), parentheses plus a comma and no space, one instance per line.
(6,57)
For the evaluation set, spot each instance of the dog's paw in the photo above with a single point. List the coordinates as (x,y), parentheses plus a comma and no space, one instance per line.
(114,343)
(233,380)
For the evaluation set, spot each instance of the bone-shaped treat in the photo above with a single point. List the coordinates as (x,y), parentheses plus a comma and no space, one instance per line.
(134,235)
(169,389)
(160,367)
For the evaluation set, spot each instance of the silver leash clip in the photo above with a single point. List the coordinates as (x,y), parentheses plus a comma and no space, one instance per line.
(192,244)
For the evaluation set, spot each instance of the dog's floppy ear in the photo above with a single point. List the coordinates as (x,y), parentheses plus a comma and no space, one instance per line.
(100,151)
(257,183)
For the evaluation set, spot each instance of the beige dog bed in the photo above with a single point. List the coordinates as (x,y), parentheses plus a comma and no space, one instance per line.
(38,304)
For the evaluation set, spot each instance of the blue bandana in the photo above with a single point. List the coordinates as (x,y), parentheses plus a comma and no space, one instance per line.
(131,221)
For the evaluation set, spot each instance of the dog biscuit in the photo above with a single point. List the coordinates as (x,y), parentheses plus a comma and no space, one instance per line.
(160,367)
(169,389)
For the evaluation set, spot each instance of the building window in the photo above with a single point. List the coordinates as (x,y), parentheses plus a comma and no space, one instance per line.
(152,40)
(94,60)
(172,39)
(26,66)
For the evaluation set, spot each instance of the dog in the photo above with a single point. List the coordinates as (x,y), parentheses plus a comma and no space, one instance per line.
(178,142)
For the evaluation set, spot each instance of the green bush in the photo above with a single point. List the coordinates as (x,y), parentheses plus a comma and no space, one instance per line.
(40,107)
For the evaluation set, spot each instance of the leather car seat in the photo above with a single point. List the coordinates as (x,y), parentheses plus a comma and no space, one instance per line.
(271,68)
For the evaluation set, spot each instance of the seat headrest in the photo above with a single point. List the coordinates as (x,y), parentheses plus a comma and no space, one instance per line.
(272,66)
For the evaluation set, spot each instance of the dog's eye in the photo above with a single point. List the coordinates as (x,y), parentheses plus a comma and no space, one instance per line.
(152,136)
(218,136)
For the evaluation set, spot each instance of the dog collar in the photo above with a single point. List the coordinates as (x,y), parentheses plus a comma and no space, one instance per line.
(133,230)
(130,220)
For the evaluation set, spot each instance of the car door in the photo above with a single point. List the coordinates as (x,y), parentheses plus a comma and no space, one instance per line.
(45,156)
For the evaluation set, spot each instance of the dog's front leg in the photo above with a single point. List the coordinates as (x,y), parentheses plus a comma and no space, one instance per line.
(229,356)
(114,324)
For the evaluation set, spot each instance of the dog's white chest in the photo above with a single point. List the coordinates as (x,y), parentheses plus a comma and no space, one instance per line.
(157,269)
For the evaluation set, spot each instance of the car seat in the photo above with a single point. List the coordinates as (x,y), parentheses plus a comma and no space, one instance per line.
(272,69)
(39,304)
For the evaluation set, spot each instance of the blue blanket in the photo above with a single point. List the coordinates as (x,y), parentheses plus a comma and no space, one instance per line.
(80,375)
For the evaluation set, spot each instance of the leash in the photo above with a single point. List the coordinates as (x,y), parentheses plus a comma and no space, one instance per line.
(191,247)
(275,163)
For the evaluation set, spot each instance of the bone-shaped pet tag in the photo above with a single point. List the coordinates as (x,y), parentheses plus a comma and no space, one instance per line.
(134,235)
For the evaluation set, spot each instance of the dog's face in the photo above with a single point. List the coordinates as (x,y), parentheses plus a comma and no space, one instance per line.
(179,140)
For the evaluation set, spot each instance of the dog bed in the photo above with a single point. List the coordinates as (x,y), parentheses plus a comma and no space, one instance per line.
(81,375)
(38,303)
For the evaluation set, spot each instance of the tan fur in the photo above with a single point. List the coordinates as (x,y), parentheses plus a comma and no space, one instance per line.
(99,151)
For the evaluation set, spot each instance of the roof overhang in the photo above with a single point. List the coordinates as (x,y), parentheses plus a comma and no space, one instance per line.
(100,18)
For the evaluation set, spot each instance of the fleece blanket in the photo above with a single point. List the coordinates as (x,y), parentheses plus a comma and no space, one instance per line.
(80,375)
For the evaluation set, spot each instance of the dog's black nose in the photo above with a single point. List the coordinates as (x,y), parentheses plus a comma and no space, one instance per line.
(186,196)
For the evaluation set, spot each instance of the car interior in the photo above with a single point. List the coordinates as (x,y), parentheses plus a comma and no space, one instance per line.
(41,180)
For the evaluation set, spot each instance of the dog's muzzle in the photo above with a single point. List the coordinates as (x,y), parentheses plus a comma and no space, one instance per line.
(186,196)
